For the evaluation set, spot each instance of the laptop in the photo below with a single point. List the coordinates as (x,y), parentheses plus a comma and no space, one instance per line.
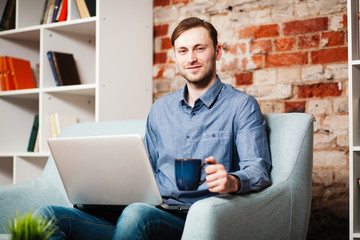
(112,170)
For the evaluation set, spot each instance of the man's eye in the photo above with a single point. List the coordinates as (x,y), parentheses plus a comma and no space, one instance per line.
(200,49)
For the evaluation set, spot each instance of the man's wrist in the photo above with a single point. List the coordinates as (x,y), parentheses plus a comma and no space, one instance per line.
(236,183)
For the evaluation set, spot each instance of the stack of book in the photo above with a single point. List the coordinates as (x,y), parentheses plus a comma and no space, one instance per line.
(54,11)
(57,10)
(64,68)
(15,74)
(8,16)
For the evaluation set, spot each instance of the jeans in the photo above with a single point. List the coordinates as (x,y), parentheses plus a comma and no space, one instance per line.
(137,221)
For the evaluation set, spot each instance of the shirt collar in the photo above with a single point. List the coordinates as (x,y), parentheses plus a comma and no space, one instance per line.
(209,97)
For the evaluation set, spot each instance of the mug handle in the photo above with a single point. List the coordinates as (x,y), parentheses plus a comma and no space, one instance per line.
(202,165)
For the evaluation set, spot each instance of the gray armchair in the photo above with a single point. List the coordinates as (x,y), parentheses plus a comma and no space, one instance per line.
(280,211)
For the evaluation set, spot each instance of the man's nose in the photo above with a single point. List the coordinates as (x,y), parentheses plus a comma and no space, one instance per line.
(192,57)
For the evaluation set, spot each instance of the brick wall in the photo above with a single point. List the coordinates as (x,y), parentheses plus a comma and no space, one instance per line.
(289,54)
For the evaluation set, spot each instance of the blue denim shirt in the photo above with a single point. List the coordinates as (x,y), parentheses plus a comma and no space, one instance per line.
(224,123)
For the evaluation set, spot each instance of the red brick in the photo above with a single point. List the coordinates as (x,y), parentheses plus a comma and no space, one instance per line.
(234,48)
(247,32)
(344,22)
(319,90)
(166,43)
(244,78)
(306,26)
(261,46)
(284,44)
(267,31)
(257,60)
(329,55)
(295,106)
(161,30)
(333,38)
(286,59)
(262,31)
(309,41)
(161,3)
(180,1)
(160,58)
(160,74)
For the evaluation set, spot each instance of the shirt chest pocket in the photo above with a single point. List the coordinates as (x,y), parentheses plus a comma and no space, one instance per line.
(221,136)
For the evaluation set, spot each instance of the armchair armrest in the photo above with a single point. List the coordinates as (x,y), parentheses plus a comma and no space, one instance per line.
(27,196)
(247,216)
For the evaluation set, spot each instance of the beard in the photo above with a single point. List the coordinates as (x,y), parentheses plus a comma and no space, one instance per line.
(203,77)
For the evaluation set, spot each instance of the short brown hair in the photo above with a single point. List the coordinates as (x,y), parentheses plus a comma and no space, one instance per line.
(193,22)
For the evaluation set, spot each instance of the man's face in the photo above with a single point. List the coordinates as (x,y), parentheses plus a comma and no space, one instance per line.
(195,55)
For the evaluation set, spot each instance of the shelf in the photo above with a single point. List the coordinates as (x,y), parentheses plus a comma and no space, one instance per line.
(23,93)
(356,235)
(82,89)
(106,68)
(27,33)
(79,26)
(355,62)
(356,148)
(25,154)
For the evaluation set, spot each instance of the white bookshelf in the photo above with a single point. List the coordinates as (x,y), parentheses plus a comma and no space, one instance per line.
(113,54)
(354,118)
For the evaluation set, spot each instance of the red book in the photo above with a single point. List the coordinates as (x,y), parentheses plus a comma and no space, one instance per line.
(64,10)
(21,74)
(9,82)
(2,74)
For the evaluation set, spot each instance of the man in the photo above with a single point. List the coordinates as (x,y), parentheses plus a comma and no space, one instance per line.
(206,119)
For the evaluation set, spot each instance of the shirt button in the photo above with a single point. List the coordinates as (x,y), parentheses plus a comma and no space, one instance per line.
(187,136)
(193,113)
(213,135)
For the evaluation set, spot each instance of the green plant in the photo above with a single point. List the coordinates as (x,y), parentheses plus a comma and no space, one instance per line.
(30,227)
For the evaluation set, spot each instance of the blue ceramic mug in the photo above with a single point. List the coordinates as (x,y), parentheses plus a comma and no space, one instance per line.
(188,173)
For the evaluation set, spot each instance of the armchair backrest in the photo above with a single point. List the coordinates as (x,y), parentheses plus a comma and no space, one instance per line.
(291,148)
(286,133)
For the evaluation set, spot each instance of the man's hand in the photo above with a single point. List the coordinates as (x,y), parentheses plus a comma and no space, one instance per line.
(218,180)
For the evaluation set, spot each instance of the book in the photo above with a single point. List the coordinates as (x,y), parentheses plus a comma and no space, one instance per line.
(8,17)
(59,121)
(56,10)
(8,75)
(3,72)
(52,65)
(33,134)
(36,146)
(15,74)
(54,132)
(91,6)
(83,10)
(63,11)
(2,76)
(50,11)
(46,5)
(66,72)
(21,72)
(37,75)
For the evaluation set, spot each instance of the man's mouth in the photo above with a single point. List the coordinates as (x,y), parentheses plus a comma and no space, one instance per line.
(193,67)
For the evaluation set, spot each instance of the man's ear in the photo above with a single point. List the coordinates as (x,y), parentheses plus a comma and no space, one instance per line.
(218,52)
